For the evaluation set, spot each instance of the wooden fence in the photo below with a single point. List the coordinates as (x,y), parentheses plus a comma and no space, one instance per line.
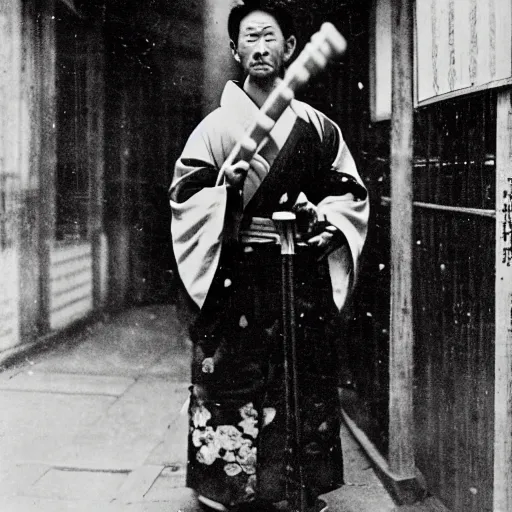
(453,302)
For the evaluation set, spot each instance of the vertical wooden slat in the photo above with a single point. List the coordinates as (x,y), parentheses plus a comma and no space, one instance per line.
(10,178)
(95,157)
(47,155)
(30,123)
(503,343)
(401,453)
(119,233)
(141,96)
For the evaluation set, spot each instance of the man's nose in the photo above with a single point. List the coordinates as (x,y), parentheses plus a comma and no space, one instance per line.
(261,48)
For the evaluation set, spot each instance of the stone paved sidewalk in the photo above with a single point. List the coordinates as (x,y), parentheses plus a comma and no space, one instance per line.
(94,424)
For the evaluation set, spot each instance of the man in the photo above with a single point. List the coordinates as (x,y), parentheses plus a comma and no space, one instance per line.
(240,449)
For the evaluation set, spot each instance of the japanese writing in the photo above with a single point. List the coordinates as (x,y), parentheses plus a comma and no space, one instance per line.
(506,223)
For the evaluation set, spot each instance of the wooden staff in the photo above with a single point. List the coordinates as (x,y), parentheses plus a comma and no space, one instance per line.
(285,224)
(324,46)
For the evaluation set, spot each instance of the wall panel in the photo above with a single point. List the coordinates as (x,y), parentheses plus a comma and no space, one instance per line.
(461,46)
(70,283)
(10,179)
(454,300)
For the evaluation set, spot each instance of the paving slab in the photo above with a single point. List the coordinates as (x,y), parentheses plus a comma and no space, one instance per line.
(177,500)
(34,427)
(180,500)
(133,426)
(4,472)
(357,468)
(115,350)
(173,365)
(77,485)
(29,380)
(36,504)
(125,345)
(138,483)
(430,504)
(6,375)
(164,487)
(352,498)
(17,478)
(172,451)
(363,491)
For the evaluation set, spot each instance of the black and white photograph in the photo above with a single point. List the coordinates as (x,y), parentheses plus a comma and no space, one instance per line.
(256,255)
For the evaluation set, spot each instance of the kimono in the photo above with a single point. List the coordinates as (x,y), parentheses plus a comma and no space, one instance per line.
(239,444)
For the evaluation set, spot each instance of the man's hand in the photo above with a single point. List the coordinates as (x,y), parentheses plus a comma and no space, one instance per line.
(314,227)
(325,237)
(235,174)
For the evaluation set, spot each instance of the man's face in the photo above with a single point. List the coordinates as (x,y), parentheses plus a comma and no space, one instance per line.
(261,48)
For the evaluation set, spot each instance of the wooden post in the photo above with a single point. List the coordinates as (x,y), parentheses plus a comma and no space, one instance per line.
(30,129)
(96,158)
(10,176)
(401,422)
(48,156)
(503,342)
(118,231)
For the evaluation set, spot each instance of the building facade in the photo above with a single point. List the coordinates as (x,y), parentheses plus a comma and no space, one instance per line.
(97,99)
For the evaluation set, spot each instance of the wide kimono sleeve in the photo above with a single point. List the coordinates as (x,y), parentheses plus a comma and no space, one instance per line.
(341,196)
(198,207)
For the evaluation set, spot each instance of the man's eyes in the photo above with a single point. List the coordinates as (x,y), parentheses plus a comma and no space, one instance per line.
(252,38)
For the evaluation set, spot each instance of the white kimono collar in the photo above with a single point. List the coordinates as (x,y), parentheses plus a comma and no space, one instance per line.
(244,109)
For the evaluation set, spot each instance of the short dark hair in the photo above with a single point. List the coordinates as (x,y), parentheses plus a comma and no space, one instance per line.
(280,13)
